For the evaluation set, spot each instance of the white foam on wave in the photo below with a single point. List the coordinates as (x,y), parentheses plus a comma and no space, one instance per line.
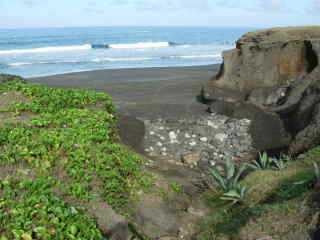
(124,59)
(96,60)
(18,64)
(197,56)
(47,49)
(141,45)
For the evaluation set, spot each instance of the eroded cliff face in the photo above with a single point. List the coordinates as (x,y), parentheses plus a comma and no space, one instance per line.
(272,74)
(269,58)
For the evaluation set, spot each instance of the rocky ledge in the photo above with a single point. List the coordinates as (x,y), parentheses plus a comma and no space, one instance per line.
(272,77)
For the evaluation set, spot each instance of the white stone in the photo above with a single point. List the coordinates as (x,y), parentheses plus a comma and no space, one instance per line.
(172,137)
(159,144)
(162,138)
(221,137)
(192,144)
(212,124)
(152,133)
(204,139)
(164,149)
(161,128)
(187,135)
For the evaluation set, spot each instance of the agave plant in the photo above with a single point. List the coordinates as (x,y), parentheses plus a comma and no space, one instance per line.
(228,182)
(281,162)
(264,162)
(229,179)
(236,195)
(316,174)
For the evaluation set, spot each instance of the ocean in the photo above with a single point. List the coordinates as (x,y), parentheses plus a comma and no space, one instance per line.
(43,52)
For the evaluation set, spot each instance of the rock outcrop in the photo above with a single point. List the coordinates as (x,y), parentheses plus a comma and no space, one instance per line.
(269,58)
(273,79)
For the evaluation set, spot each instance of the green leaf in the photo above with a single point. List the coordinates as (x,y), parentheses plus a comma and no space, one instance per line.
(217,176)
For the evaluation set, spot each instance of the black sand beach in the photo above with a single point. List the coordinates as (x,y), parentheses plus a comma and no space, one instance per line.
(144,93)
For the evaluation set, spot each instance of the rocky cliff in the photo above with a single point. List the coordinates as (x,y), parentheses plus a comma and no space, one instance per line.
(273,78)
(269,58)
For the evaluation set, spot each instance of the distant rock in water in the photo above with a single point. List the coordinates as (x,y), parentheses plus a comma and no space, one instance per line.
(272,73)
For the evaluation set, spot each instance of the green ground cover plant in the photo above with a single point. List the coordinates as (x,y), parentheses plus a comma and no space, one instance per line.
(29,210)
(69,136)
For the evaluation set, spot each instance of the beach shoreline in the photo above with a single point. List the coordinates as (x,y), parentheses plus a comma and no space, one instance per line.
(147,93)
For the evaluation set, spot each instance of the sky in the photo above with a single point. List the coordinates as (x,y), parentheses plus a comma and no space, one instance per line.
(215,13)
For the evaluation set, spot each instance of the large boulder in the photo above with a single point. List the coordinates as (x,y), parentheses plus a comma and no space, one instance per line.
(276,71)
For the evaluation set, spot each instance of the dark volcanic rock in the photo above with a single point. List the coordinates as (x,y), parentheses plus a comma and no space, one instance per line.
(277,74)
(267,129)
(308,137)
(131,131)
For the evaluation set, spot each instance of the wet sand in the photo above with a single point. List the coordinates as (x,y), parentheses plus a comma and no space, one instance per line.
(144,93)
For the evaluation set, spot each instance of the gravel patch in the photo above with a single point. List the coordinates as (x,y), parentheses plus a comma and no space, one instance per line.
(204,141)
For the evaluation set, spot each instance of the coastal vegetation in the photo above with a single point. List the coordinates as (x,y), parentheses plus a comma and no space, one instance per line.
(60,147)
(64,173)
(60,154)
(276,204)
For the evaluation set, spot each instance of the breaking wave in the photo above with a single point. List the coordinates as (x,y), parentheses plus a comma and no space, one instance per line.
(142,45)
(114,59)
(46,49)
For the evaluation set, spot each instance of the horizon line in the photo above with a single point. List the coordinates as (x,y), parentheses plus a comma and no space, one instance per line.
(131,26)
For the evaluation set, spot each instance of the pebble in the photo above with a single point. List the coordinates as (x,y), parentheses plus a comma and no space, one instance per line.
(212,124)
(221,137)
(173,137)
(214,137)
(203,139)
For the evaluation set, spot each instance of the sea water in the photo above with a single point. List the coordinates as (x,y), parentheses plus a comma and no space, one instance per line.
(43,52)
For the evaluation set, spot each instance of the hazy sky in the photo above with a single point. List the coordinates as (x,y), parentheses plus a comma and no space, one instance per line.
(251,13)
